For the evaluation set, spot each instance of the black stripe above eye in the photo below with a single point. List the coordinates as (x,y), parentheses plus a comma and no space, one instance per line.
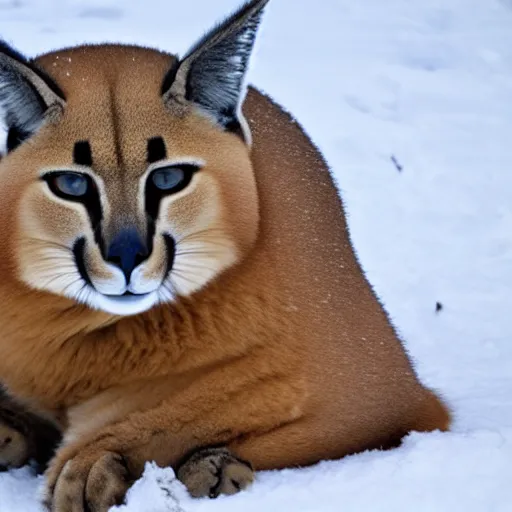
(82,154)
(156,150)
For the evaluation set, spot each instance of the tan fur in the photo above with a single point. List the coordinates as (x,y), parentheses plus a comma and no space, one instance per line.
(283,352)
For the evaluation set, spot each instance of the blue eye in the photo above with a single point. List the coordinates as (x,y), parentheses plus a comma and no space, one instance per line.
(169,178)
(71,184)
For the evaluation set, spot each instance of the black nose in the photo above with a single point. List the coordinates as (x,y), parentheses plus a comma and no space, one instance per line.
(127,250)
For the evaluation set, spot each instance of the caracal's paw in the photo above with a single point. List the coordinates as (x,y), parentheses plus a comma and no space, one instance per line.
(14,447)
(92,482)
(24,436)
(215,471)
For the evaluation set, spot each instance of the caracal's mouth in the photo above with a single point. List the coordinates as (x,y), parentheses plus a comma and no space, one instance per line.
(124,305)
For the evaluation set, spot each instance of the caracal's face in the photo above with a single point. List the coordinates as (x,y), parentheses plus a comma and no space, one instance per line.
(124,200)
(125,172)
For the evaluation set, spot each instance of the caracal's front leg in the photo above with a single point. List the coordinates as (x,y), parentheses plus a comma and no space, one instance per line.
(94,473)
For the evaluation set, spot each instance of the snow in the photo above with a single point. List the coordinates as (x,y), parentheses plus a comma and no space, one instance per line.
(424,85)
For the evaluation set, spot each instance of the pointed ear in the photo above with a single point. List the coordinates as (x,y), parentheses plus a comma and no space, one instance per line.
(26,94)
(212,74)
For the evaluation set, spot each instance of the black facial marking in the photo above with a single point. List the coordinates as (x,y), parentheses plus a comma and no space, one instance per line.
(91,201)
(78,251)
(82,154)
(155,195)
(156,150)
(170,246)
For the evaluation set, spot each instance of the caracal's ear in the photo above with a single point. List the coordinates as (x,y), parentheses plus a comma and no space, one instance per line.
(212,74)
(26,95)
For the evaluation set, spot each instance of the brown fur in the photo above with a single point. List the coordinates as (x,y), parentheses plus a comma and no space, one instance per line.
(285,355)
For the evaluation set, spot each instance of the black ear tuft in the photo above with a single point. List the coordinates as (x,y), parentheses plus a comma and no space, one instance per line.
(25,96)
(212,74)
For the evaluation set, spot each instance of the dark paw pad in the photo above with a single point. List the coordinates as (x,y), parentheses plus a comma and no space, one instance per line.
(215,471)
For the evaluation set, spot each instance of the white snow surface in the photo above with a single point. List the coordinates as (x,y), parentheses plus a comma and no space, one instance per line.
(428,83)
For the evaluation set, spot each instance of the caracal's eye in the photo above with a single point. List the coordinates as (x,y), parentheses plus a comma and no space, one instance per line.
(71,185)
(169,179)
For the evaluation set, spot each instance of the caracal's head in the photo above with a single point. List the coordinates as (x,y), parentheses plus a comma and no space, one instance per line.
(126,175)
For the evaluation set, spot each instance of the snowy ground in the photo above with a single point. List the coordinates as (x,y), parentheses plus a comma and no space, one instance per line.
(427,83)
